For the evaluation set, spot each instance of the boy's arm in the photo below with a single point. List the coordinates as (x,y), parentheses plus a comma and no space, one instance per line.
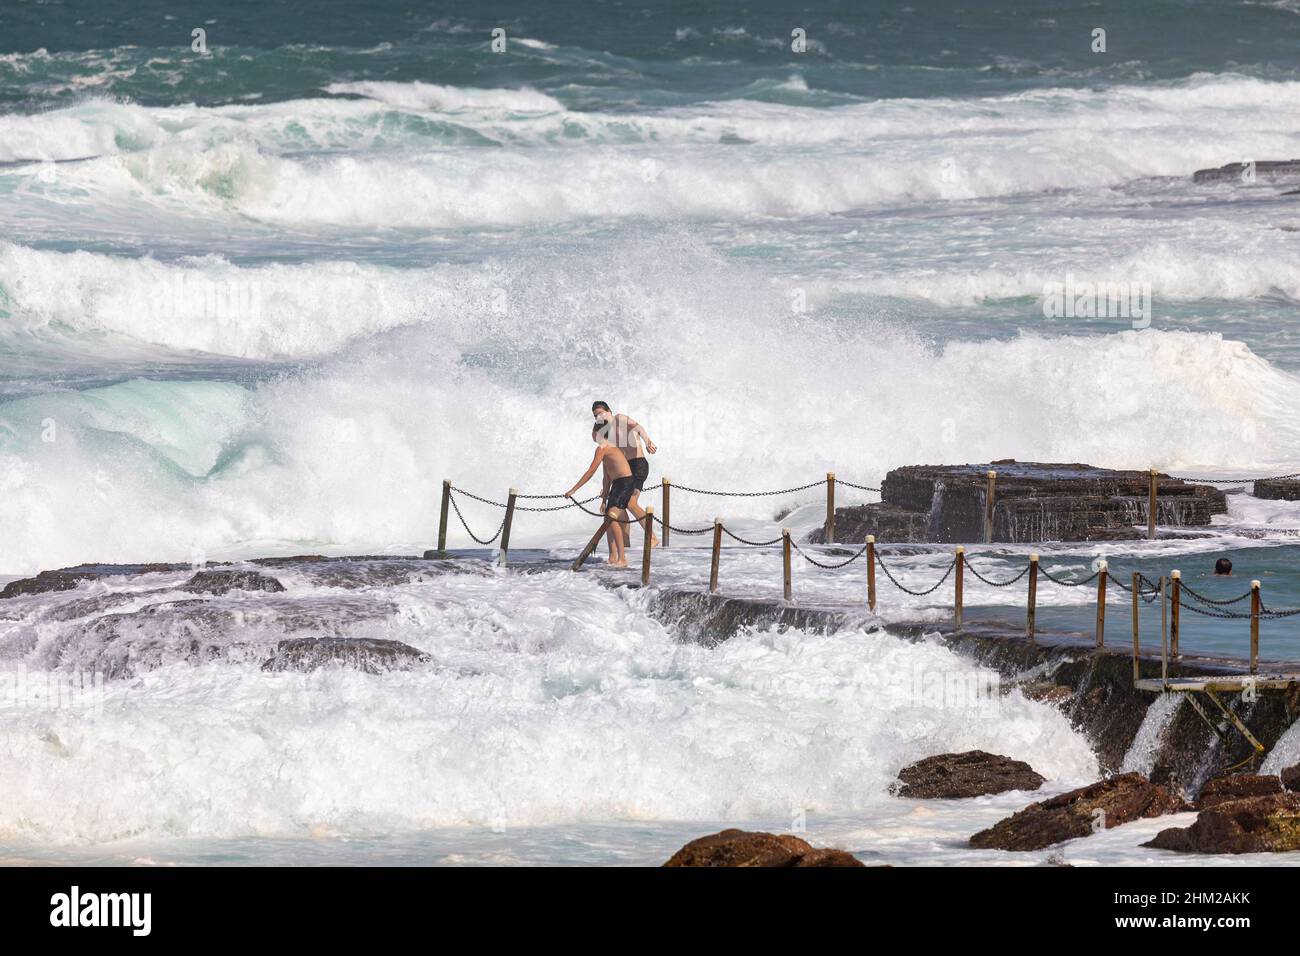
(639,431)
(586,477)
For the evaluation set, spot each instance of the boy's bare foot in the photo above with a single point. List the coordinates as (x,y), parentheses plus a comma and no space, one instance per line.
(654,542)
(618,564)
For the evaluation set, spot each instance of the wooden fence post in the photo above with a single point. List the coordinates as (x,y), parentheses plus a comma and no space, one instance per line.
(505,528)
(667,501)
(645,547)
(1102,574)
(595,540)
(988,508)
(717,554)
(1176,579)
(785,560)
(871,573)
(1137,600)
(1151,507)
(442,519)
(956,591)
(830,507)
(1164,633)
(1256,605)
(1033,596)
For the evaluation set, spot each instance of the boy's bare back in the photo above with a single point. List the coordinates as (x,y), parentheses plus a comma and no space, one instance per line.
(614,462)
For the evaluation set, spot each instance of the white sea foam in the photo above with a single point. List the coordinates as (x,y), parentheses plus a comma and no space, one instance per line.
(549,701)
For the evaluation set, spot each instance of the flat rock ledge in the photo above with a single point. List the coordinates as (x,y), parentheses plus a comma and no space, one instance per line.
(1032,501)
(370,655)
(1278,489)
(1238,786)
(1103,805)
(975,773)
(755,848)
(1264,824)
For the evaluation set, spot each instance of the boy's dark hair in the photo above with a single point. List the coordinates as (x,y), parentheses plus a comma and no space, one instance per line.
(604,405)
(600,428)
(1223,566)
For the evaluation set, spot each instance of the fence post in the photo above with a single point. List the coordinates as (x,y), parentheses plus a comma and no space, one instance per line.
(871,573)
(717,554)
(442,518)
(1102,574)
(505,528)
(1137,596)
(645,548)
(595,540)
(667,488)
(785,560)
(1033,596)
(1151,507)
(1176,578)
(1164,634)
(956,592)
(830,507)
(1256,605)
(988,508)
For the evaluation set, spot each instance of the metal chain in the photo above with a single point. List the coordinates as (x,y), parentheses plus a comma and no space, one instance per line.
(849,484)
(1184,589)
(502,504)
(997,584)
(827,567)
(1070,584)
(1235,481)
(465,524)
(930,590)
(753,544)
(748,494)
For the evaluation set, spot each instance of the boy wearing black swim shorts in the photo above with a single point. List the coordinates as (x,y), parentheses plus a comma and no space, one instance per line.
(616,489)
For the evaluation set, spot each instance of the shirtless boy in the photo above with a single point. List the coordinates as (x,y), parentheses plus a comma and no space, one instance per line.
(616,489)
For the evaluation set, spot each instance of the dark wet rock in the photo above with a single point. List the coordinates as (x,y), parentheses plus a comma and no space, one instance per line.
(1290,778)
(1238,786)
(1262,824)
(974,773)
(1267,169)
(370,655)
(1045,691)
(1284,489)
(746,848)
(1033,501)
(1103,805)
(44,582)
(221,582)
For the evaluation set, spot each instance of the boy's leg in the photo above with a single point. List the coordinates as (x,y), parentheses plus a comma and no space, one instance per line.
(616,541)
(635,507)
(613,535)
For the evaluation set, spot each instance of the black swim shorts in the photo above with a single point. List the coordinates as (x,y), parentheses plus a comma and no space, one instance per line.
(640,472)
(620,492)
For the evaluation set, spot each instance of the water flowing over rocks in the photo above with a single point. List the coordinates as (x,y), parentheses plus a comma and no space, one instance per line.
(1103,805)
(1032,502)
(220,582)
(745,848)
(371,655)
(1264,169)
(974,773)
(1262,824)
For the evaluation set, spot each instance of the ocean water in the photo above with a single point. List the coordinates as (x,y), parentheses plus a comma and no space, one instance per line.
(264,299)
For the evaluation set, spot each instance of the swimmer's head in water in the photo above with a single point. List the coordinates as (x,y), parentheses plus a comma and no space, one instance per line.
(1223,566)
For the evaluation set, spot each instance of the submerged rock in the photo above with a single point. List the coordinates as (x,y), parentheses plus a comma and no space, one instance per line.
(1291,777)
(1032,502)
(221,582)
(371,655)
(1263,824)
(974,773)
(1236,787)
(746,848)
(1109,803)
